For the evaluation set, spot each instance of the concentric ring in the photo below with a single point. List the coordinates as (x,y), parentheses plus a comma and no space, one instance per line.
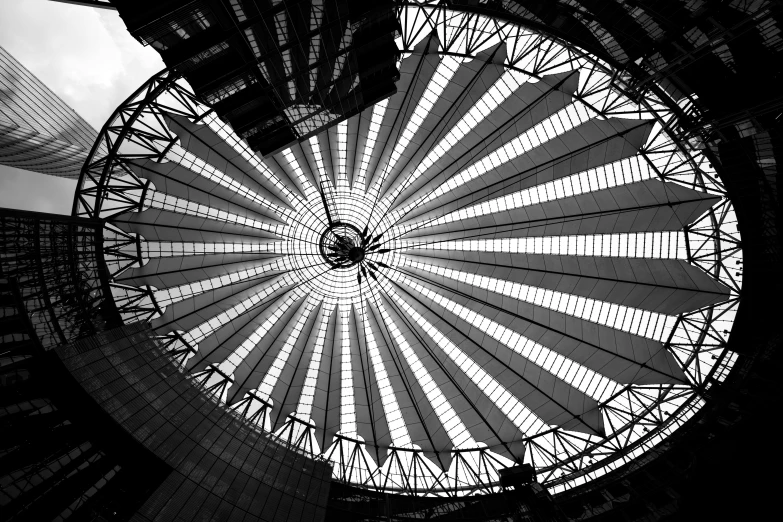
(341,245)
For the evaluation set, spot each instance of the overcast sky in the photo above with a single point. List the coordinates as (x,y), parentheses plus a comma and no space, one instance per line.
(84,55)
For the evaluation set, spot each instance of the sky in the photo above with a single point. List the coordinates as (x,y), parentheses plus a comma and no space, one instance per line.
(88,58)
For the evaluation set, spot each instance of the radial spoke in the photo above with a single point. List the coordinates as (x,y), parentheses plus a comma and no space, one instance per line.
(617,287)
(445,70)
(655,245)
(171,203)
(179,248)
(305,316)
(606,176)
(566,119)
(296,397)
(525,421)
(384,389)
(276,336)
(167,296)
(449,419)
(641,207)
(240,169)
(378,111)
(570,372)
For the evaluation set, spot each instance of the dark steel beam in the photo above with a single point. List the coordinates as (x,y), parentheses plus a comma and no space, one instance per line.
(100,4)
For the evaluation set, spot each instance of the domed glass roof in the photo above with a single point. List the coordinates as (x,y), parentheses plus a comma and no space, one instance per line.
(515,258)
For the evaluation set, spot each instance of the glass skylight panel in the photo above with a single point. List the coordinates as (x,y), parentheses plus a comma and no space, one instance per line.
(391,408)
(305,406)
(316,14)
(443,74)
(238,11)
(179,248)
(309,190)
(347,405)
(199,166)
(251,39)
(458,432)
(273,374)
(342,55)
(509,82)
(323,177)
(175,294)
(378,111)
(281,24)
(182,206)
(243,350)
(632,320)
(630,170)
(194,336)
(673,245)
(342,155)
(571,116)
(229,89)
(646,21)
(314,119)
(229,136)
(580,377)
(524,419)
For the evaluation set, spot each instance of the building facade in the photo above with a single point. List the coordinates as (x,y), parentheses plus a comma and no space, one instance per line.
(52,261)
(39,131)
(222,466)
(278,72)
(107,427)
(61,456)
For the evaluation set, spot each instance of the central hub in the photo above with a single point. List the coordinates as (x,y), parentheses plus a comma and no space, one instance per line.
(341,245)
(356,254)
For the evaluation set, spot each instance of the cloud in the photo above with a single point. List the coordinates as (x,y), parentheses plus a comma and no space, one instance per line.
(84,55)
(88,58)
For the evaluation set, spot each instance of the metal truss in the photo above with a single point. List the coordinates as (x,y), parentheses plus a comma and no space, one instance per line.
(639,416)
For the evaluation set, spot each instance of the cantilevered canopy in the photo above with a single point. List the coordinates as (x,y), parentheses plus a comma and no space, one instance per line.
(509,260)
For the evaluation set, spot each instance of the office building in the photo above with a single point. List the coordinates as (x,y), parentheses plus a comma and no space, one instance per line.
(38,131)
